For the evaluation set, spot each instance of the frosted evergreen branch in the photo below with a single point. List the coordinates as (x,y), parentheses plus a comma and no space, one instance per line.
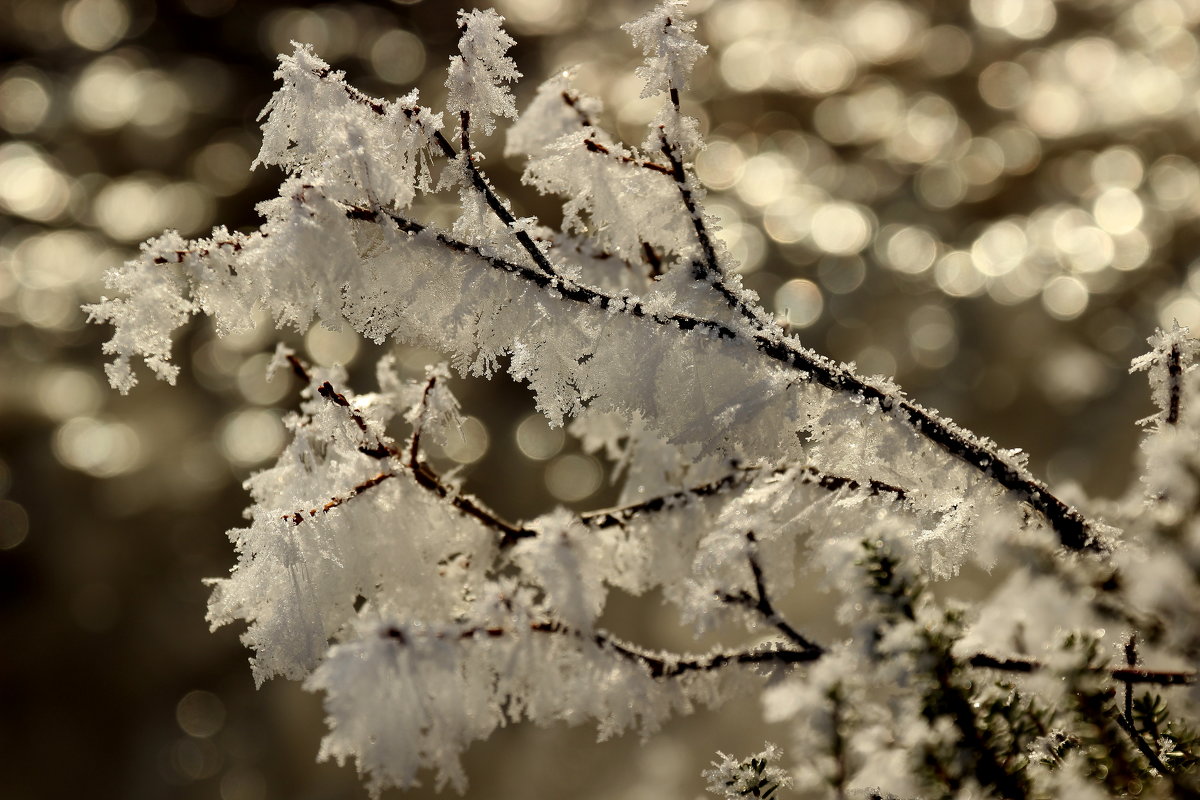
(428,620)
(1074,531)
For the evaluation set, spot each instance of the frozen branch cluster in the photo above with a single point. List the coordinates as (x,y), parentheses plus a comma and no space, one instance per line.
(748,464)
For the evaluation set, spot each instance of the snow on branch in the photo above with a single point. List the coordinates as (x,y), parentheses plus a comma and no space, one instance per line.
(747,465)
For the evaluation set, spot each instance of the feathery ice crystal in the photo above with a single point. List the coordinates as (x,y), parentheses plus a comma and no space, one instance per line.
(748,463)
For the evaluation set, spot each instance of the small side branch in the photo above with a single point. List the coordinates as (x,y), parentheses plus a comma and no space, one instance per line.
(760,601)
(299,516)
(299,369)
(707,268)
(622,515)
(377,450)
(657,665)
(1143,748)
(595,147)
(493,201)
(572,102)
(1174,383)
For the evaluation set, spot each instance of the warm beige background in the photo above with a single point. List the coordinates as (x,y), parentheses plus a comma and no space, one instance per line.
(994,200)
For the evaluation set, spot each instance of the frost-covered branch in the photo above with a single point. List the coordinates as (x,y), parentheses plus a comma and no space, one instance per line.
(1074,531)
(745,464)
(660,666)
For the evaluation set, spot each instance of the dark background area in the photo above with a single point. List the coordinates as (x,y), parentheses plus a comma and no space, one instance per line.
(995,206)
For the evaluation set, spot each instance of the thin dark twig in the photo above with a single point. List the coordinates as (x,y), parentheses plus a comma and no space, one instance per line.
(658,666)
(595,147)
(299,368)
(429,480)
(379,449)
(298,516)
(760,601)
(622,515)
(1174,374)
(485,189)
(1123,675)
(1145,749)
(414,446)
(1131,659)
(707,269)
(573,102)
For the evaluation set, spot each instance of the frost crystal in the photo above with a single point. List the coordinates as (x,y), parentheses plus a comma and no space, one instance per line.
(477,77)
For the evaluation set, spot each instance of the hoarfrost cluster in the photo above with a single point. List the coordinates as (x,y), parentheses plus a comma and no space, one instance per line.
(748,464)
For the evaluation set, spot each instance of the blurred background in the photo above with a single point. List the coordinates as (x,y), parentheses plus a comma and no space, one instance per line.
(995,201)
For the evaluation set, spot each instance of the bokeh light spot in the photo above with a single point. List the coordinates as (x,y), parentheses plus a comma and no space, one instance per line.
(328,347)
(469,443)
(573,477)
(841,228)
(95,24)
(14,524)
(537,440)
(800,302)
(251,436)
(200,714)
(1065,297)
(398,56)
